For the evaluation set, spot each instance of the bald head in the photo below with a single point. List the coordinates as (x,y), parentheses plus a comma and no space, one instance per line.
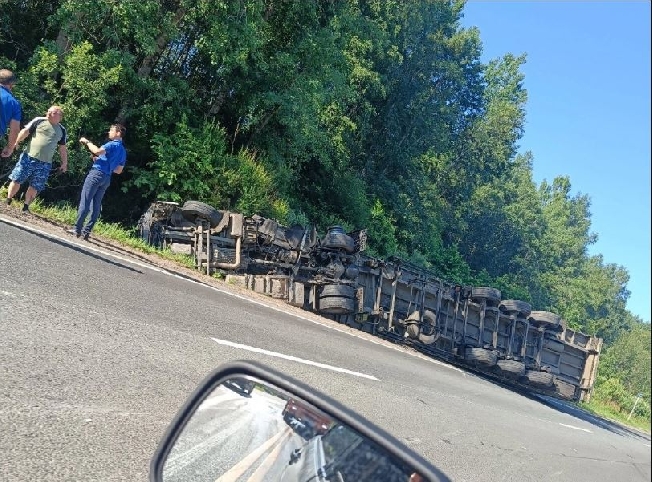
(7,77)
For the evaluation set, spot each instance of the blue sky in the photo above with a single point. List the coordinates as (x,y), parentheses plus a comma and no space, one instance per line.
(588,112)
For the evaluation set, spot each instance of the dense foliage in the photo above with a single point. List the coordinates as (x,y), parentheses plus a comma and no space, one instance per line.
(365,113)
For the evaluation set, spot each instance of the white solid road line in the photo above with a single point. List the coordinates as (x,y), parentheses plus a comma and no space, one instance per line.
(293,358)
(261,472)
(241,467)
(89,247)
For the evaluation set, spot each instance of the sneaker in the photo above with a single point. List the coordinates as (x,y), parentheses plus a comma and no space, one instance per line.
(25,208)
(73,232)
(85,236)
(9,201)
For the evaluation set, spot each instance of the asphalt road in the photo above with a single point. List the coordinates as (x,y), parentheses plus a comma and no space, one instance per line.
(97,353)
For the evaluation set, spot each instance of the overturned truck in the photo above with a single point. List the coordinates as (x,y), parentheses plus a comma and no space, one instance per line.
(472,326)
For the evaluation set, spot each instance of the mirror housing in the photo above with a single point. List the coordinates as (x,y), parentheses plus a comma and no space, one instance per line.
(242,369)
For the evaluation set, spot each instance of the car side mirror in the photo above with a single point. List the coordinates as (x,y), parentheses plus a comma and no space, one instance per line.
(245,422)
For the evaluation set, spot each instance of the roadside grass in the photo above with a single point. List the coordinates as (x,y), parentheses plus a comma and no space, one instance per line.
(66,214)
(607,410)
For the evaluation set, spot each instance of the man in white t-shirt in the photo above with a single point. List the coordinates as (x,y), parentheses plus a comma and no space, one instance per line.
(35,162)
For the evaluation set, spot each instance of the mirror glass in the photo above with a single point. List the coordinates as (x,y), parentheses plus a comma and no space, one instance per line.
(249,431)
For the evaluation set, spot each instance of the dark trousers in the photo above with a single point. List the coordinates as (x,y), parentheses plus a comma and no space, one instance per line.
(95,186)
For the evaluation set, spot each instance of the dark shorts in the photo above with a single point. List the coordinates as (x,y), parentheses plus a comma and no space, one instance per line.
(29,168)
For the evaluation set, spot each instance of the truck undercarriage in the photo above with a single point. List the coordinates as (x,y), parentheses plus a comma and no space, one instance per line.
(331,275)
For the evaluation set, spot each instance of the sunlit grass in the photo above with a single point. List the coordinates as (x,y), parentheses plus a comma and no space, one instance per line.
(606,410)
(66,214)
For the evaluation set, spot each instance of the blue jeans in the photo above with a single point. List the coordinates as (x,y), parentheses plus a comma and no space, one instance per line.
(95,186)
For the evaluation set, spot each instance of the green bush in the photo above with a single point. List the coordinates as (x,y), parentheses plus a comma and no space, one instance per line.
(612,392)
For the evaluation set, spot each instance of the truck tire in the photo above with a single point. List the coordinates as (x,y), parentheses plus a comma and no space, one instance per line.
(192,210)
(511,368)
(480,356)
(339,241)
(485,293)
(344,291)
(545,318)
(516,305)
(336,305)
(429,326)
(429,317)
(412,330)
(428,339)
(540,379)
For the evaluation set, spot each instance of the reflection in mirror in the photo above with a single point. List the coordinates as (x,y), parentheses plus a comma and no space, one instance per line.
(249,431)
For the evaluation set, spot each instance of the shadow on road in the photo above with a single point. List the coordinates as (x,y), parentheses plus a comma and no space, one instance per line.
(569,408)
(596,420)
(562,406)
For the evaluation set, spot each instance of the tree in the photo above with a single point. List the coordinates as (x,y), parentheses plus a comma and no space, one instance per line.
(25,24)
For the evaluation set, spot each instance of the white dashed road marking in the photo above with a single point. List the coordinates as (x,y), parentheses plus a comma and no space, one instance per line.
(575,428)
(293,358)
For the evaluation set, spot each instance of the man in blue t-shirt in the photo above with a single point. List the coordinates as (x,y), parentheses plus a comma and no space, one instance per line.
(11,111)
(107,159)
